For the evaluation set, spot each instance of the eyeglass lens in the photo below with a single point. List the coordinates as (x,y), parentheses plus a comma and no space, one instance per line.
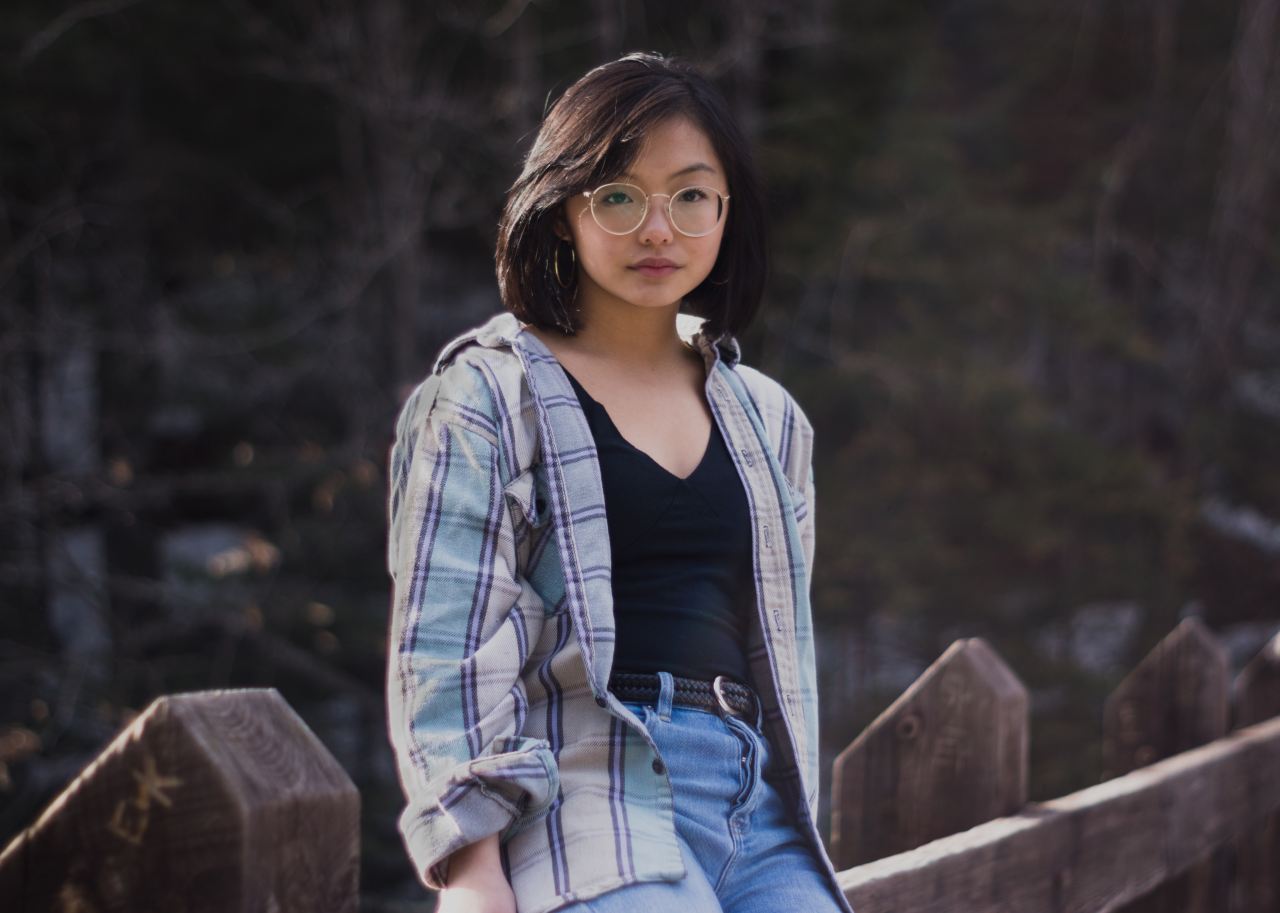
(620,208)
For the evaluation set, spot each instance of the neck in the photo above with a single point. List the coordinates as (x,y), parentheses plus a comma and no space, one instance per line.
(640,337)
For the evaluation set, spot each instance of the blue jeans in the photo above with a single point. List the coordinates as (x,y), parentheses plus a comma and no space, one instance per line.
(741,848)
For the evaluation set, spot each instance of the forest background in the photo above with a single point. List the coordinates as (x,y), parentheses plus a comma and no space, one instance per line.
(1024,285)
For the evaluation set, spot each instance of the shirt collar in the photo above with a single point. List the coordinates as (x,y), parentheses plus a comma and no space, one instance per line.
(502,329)
(690,327)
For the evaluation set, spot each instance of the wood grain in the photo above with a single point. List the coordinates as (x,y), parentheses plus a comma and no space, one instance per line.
(1257,855)
(1091,851)
(1176,698)
(950,753)
(212,801)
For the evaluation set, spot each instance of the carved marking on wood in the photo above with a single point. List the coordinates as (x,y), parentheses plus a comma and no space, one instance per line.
(151,784)
(128,822)
(955,693)
(951,749)
(132,817)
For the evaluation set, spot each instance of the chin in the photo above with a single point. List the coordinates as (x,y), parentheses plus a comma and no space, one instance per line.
(656,303)
(660,295)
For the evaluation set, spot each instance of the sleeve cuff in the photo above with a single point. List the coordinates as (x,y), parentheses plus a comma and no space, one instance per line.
(498,793)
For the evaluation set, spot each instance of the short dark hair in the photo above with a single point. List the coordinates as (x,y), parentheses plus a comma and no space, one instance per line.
(586,139)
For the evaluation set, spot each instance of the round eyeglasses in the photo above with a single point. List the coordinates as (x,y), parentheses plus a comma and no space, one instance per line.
(620,209)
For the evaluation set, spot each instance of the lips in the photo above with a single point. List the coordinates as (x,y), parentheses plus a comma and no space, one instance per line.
(655,266)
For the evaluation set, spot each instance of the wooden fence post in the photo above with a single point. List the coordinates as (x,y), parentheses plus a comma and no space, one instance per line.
(949,753)
(1257,698)
(1175,700)
(1091,851)
(212,801)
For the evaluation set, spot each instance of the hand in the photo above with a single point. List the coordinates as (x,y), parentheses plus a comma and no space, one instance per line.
(489,895)
(476,882)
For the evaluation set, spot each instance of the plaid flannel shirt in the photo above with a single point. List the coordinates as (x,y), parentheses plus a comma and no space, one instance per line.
(501,628)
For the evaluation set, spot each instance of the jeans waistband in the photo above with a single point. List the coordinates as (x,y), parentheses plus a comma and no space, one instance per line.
(721,694)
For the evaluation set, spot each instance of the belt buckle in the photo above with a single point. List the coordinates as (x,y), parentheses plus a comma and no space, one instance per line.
(717,688)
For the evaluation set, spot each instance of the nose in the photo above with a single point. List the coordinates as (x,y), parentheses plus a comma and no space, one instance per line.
(656,227)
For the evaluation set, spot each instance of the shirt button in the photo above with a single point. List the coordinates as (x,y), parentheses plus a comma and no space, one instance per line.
(658,766)
(601,701)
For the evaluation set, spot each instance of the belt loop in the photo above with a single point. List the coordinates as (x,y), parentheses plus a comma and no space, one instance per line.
(666,693)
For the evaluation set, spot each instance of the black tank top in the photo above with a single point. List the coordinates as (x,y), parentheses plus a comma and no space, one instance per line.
(683,581)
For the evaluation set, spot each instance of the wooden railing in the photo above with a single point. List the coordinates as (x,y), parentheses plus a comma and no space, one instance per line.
(218,801)
(225,801)
(929,810)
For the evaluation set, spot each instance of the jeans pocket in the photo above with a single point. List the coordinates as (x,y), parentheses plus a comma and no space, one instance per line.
(642,710)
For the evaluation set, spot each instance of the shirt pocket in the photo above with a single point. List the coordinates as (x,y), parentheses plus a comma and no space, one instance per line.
(530,508)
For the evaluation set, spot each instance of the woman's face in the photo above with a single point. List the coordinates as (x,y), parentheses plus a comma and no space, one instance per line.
(612,268)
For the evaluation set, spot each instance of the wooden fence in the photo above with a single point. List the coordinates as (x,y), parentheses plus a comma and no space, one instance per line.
(929,810)
(225,801)
(214,801)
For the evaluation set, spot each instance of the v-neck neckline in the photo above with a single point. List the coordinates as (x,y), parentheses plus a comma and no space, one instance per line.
(706,450)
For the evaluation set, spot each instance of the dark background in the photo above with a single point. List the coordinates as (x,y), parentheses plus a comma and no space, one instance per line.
(1025,287)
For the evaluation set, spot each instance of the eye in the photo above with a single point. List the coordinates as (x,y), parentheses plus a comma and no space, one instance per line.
(616,198)
(693,195)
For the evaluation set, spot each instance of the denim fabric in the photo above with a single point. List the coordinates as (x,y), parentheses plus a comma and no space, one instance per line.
(742,850)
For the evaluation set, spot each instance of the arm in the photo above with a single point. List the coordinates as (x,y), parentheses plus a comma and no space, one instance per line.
(791,436)
(458,632)
(801,476)
(802,472)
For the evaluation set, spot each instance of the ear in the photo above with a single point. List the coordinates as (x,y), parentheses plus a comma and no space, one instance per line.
(560,224)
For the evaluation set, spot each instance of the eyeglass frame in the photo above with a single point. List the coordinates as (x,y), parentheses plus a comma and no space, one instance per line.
(591,206)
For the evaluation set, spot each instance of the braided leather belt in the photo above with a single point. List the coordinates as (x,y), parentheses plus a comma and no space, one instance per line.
(721,694)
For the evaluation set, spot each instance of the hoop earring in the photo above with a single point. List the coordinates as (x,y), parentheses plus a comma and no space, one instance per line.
(564,319)
(555,264)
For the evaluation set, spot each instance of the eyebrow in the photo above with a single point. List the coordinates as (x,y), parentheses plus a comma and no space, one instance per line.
(696,166)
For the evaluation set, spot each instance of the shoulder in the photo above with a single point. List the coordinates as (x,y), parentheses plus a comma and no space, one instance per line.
(459,393)
(785,424)
(776,405)
(478,385)
(485,385)
(476,380)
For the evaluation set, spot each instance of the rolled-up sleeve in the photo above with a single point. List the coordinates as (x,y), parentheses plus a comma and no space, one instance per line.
(458,633)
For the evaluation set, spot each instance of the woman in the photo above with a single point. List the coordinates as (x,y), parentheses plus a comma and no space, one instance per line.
(601,688)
